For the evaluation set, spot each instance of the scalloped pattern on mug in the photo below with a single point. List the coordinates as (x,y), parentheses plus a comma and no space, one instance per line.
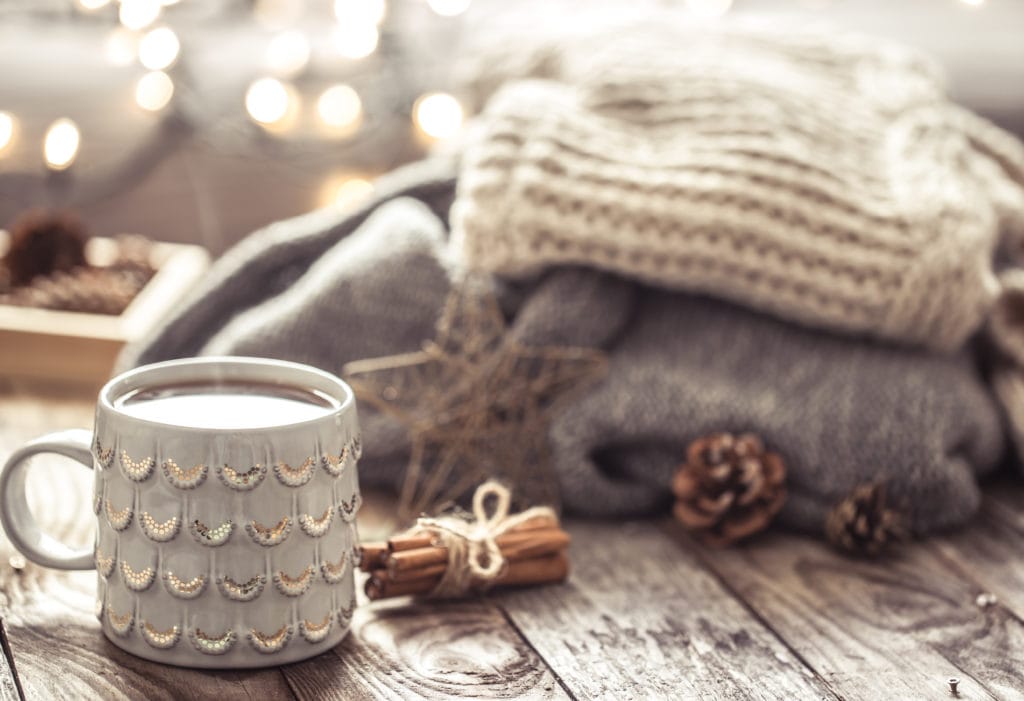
(357,447)
(316,632)
(137,470)
(121,624)
(294,585)
(295,476)
(347,510)
(184,478)
(269,536)
(181,588)
(104,563)
(244,591)
(97,504)
(269,643)
(160,639)
(334,573)
(212,644)
(242,481)
(345,614)
(334,465)
(316,527)
(137,580)
(159,532)
(104,456)
(211,537)
(119,519)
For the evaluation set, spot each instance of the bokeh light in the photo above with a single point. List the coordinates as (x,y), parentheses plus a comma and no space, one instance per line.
(91,5)
(7,127)
(360,11)
(449,8)
(120,47)
(159,49)
(139,14)
(60,146)
(278,14)
(339,107)
(346,193)
(356,39)
(438,115)
(288,53)
(268,101)
(153,91)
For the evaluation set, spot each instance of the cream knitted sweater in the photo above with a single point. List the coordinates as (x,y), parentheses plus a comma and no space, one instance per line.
(825,180)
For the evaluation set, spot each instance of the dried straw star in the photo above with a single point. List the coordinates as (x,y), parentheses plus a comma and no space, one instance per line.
(476,403)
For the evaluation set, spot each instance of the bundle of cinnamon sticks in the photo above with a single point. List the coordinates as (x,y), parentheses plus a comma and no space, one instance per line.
(413,562)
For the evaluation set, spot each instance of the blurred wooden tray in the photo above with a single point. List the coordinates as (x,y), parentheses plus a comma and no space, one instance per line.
(79,349)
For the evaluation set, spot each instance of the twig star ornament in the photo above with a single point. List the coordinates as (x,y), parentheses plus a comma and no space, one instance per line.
(476,403)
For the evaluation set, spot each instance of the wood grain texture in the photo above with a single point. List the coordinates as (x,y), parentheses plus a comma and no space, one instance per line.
(438,650)
(893,628)
(10,686)
(73,662)
(991,552)
(640,618)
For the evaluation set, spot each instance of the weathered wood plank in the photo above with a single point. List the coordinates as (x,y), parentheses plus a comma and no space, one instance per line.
(63,655)
(438,650)
(10,686)
(991,551)
(894,628)
(640,618)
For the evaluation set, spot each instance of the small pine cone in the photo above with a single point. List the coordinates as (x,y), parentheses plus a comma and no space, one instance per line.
(864,523)
(729,488)
(42,244)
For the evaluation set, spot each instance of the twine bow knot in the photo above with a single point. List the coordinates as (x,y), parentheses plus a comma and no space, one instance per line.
(474,558)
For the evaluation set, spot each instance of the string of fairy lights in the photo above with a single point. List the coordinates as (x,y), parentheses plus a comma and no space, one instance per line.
(145,35)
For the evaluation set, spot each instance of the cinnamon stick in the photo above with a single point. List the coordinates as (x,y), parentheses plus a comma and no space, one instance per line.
(410,541)
(372,555)
(514,545)
(377,588)
(537,570)
(433,571)
(517,545)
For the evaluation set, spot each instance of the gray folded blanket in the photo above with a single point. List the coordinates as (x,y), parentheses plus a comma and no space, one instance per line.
(327,290)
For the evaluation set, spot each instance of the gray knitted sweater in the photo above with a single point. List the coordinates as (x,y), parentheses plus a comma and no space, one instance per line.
(329,290)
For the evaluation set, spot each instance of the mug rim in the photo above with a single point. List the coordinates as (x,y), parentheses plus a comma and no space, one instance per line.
(313,378)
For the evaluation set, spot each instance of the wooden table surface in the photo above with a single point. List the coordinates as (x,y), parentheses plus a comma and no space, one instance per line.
(647,613)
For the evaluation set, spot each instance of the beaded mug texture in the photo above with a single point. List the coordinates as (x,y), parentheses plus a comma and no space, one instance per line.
(226,548)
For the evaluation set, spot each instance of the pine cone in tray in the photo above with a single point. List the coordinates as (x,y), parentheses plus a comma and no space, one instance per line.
(106,289)
(730,487)
(43,243)
(864,522)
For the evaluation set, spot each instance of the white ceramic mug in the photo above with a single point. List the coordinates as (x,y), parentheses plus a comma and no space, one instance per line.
(223,547)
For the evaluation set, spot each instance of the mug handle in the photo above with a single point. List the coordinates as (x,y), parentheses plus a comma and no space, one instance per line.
(17,519)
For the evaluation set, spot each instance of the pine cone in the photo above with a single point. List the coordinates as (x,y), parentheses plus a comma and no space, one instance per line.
(730,487)
(43,243)
(96,290)
(863,522)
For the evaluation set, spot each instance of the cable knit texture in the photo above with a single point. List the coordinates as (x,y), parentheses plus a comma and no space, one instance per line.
(825,180)
(842,412)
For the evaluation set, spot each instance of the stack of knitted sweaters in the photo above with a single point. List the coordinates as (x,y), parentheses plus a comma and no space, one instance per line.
(792,235)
